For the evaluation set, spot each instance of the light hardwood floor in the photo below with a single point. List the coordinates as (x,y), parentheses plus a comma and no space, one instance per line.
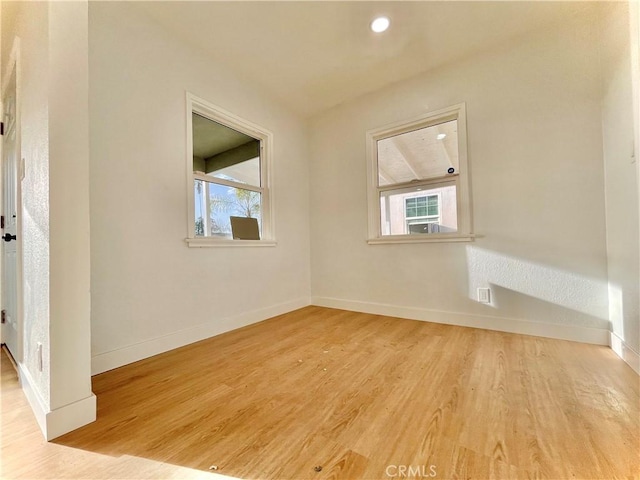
(362,396)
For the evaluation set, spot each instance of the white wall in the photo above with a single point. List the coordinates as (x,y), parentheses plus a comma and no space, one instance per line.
(634,27)
(55,217)
(149,291)
(535,150)
(30,21)
(621,185)
(69,239)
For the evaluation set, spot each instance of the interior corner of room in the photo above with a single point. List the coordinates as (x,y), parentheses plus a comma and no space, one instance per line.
(185,127)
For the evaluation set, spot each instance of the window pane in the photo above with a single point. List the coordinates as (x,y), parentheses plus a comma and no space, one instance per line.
(215,203)
(223,152)
(246,172)
(419,210)
(422,206)
(418,155)
(433,205)
(200,207)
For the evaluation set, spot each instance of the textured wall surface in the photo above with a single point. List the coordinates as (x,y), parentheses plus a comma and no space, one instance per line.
(535,151)
(29,20)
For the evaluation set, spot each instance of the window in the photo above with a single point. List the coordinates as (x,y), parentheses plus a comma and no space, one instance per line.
(418,180)
(228,176)
(421,211)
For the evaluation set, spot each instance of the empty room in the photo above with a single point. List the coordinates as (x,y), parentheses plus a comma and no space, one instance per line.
(320,239)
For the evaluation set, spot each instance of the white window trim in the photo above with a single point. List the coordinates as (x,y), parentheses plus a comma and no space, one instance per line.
(200,106)
(463,192)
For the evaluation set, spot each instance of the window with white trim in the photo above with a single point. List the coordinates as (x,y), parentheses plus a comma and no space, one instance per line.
(228,160)
(418,179)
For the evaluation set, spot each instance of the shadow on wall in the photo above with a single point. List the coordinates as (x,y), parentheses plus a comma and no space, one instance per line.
(520,306)
(580,298)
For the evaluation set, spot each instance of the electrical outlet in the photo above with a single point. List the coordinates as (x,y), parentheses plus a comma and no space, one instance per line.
(484,295)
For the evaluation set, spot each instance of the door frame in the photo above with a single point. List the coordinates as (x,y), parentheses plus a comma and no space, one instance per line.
(13,65)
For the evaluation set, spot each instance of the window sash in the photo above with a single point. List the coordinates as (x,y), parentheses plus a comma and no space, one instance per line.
(416,170)
(227,183)
(460,178)
(211,216)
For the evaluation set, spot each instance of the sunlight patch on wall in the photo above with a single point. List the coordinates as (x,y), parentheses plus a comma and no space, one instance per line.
(565,289)
(616,310)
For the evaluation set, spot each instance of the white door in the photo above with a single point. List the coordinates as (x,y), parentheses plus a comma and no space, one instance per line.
(10,327)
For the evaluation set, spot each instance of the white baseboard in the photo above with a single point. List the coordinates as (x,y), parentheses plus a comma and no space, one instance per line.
(74,415)
(54,423)
(597,336)
(630,356)
(105,361)
(38,405)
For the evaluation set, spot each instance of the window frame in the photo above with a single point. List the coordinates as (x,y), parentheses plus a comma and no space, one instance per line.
(215,113)
(461,179)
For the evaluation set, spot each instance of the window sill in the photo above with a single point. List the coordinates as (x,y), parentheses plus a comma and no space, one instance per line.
(212,242)
(424,238)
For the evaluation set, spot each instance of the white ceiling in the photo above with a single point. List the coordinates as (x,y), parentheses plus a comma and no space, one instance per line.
(312,55)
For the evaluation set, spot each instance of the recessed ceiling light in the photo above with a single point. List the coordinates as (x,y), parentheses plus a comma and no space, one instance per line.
(441,136)
(380,24)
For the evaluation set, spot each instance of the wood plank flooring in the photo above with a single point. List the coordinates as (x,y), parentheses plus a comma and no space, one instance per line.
(362,396)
